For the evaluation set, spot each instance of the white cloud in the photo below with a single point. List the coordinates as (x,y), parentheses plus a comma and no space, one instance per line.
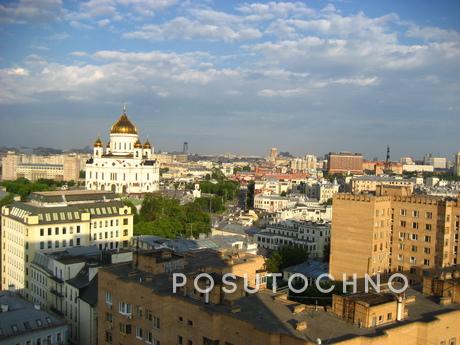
(187,29)
(30,11)
(20,72)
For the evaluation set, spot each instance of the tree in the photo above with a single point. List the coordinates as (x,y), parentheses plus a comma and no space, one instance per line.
(285,257)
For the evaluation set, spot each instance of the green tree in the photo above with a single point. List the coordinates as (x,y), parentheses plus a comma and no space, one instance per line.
(285,257)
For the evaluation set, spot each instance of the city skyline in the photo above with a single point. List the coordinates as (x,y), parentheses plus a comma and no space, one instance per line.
(241,77)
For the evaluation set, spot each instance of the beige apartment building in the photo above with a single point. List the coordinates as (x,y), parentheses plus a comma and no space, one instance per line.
(156,315)
(53,221)
(361,184)
(393,231)
(33,167)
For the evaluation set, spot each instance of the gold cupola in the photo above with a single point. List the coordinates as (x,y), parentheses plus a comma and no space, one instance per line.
(147,145)
(123,125)
(98,142)
(137,144)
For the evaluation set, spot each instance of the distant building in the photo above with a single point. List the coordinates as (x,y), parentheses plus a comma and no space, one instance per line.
(436,162)
(361,184)
(58,220)
(304,165)
(271,203)
(457,164)
(313,237)
(24,323)
(273,154)
(418,168)
(60,167)
(322,191)
(125,165)
(344,162)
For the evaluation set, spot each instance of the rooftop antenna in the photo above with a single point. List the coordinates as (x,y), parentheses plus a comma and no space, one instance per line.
(124,108)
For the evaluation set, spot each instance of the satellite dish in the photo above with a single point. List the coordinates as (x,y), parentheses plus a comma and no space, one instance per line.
(318,341)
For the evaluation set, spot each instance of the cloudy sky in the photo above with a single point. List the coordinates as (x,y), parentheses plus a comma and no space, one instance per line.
(226,76)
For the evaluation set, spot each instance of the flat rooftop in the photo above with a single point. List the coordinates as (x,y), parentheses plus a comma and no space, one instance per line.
(271,314)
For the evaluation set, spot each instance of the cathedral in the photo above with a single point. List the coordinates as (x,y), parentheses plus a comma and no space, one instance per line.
(125,165)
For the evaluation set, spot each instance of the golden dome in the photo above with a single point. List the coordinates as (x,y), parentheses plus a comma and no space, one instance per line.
(147,145)
(123,126)
(137,144)
(98,142)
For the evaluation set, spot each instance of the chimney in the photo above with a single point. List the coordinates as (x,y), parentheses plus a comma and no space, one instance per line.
(400,309)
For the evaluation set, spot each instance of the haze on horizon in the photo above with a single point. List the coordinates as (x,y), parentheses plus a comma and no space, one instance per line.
(242,77)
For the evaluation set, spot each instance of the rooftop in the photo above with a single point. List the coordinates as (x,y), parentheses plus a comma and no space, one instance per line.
(271,314)
(19,317)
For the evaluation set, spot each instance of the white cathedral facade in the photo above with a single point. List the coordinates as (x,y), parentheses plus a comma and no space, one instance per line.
(124,165)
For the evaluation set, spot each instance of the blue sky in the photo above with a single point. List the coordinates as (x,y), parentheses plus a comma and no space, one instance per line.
(227,76)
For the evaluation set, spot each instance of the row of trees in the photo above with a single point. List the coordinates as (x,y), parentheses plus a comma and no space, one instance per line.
(166,217)
(23,187)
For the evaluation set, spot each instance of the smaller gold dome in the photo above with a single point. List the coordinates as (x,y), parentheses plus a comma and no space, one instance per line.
(147,145)
(98,142)
(137,144)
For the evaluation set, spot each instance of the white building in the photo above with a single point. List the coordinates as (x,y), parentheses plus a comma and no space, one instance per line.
(272,203)
(322,191)
(125,165)
(65,283)
(59,220)
(314,237)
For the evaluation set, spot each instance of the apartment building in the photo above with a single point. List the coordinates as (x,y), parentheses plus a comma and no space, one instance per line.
(344,162)
(393,232)
(313,237)
(65,282)
(322,191)
(156,315)
(361,184)
(272,203)
(33,167)
(57,220)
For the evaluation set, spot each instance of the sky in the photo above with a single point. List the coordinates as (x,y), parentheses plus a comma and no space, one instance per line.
(228,76)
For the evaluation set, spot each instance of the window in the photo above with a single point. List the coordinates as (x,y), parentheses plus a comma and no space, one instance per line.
(415,214)
(42,232)
(70,243)
(78,241)
(403,212)
(427,250)
(156,322)
(108,298)
(389,316)
(108,337)
(403,223)
(56,244)
(42,245)
(429,215)
(414,225)
(413,260)
(190,322)
(49,231)
(138,332)
(414,237)
(56,231)
(179,340)
(125,328)
(414,249)
(64,231)
(428,239)
(124,308)
(428,227)
(125,232)
(125,221)
(426,262)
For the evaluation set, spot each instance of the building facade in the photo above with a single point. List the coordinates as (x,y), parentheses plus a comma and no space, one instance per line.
(313,237)
(344,163)
(361,184)
(55,220)
(31,167)
(124,165)
(393,233)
